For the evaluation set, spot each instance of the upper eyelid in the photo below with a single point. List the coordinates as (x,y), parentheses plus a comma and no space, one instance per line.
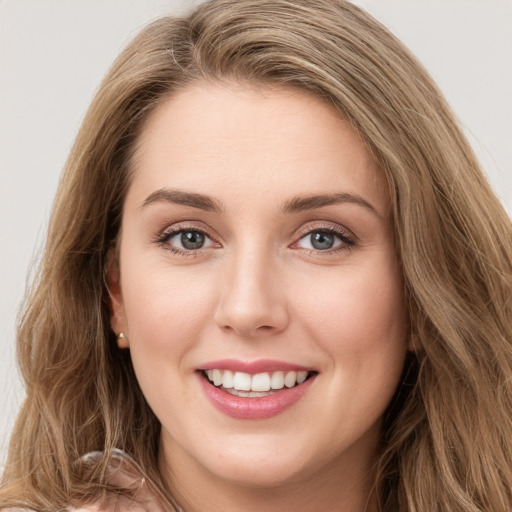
(169,231)
(163,239)
(326,226)
(176,227)
(303,230)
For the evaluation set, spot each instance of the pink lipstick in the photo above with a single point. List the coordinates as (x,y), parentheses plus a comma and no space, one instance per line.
(254,390)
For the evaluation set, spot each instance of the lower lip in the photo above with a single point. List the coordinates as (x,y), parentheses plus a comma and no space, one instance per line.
(254,408)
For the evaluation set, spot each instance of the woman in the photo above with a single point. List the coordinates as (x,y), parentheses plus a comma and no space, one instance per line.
(275,279)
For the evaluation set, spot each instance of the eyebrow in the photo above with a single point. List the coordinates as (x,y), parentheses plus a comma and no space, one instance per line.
(305,203)
(295,205)
(199,201)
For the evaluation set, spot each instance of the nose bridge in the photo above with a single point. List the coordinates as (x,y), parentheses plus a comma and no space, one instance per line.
(252,301)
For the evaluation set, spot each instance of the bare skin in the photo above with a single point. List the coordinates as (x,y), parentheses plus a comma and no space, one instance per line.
(226,254)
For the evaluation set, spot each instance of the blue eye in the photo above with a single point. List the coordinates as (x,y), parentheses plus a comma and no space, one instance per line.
(192,240)
(324,240)
(187,240)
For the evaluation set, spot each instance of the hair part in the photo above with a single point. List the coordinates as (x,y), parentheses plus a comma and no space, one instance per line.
(446,441)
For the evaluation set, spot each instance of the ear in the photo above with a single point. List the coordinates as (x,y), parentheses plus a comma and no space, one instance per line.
(414,343)
(116,305)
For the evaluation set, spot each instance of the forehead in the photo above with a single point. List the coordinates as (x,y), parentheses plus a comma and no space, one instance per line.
(282,139)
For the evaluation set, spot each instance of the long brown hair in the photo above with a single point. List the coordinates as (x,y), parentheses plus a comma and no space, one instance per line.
(447,442)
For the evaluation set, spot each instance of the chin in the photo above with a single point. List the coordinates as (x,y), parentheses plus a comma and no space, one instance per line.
(262,466)
(269,474)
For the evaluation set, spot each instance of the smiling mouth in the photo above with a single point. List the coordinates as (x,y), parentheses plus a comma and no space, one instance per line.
(257,385)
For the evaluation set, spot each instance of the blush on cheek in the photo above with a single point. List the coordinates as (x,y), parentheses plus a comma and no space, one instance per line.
(166,294)
(164,317)
(365,315)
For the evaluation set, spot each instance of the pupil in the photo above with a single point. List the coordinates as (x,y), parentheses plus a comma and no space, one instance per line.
(192,239)
(322,241)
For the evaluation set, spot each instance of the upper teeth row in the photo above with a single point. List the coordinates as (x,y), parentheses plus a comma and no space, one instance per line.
(259,382)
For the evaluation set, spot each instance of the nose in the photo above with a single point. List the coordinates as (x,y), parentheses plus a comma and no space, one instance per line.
(252,300)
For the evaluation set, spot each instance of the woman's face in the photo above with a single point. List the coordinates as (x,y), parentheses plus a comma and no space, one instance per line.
(257,251)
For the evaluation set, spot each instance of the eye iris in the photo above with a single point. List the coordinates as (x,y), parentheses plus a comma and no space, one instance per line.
(322,241)
(192,239)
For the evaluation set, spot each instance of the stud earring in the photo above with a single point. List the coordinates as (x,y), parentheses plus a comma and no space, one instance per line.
(122,342)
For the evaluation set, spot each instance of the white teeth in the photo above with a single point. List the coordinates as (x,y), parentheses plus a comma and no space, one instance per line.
(217,377)
(301,377)
(277,380)
(250,394)
(290,379)
(259,383)
(227,379)
(242,381)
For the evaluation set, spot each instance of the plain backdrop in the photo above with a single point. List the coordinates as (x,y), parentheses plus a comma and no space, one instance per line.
(53,54)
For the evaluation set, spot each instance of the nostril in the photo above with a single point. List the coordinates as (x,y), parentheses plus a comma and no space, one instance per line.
(249,317)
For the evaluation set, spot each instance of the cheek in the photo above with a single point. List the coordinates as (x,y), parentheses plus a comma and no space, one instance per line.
(356,317)
(165,308)
(167,311)
(357,312)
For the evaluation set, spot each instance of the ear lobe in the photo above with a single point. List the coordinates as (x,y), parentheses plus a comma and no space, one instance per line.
(116,305)
(414,343)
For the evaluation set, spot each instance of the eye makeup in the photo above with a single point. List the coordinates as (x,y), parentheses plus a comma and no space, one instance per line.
(189,238)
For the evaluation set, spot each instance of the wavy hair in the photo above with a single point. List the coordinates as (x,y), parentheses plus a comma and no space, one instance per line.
(446,441)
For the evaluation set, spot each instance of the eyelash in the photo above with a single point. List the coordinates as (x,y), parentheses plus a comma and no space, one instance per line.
(164,237)
(348,241)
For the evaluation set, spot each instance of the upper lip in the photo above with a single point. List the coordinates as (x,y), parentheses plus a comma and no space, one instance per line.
(253,367)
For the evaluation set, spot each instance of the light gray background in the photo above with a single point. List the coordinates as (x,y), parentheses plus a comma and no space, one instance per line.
(53,54)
